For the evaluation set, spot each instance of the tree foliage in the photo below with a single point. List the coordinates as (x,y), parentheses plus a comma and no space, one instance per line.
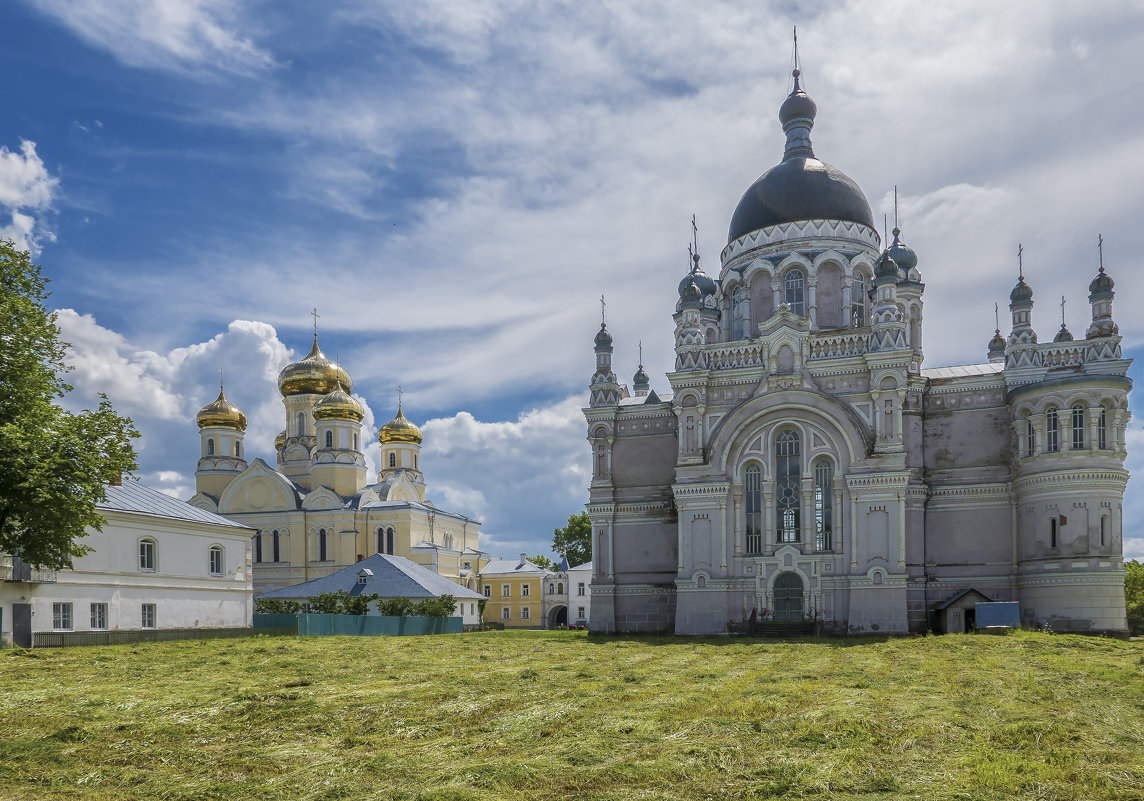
(55,465)
(441,606)
(540,560)
(1134,595)
(277,606)
(574,540)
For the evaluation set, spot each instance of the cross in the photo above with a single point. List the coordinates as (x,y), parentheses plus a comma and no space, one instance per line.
(895,207)
(399,394)
(694,235)
(997,316)
(603,312)
(1062,311)
(641,353)
(315,315)
(1020,262)
(220,379)
(1100,249)
(796,47)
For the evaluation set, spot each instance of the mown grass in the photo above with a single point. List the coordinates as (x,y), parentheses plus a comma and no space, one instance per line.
(552,715)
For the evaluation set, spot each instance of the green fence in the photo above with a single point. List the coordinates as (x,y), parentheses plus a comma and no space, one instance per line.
(62,639)
(315,625)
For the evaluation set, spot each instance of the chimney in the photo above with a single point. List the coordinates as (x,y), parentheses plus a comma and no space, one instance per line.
(523,559)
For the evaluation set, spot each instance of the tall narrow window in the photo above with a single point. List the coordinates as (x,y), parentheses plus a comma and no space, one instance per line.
(415,467)
(99,616)
(355,441)
(393,460)
(788,500)
(380,539)
(740,313)
(823,504)
(146,554)
(389,540)
(1103,530)
(323,545)
(329,439)
(276,545)
(258,547)
(1053,533)
(214,560)
(300,423)
(1030,441)
(237,449)
(795,287)
(1078,427)
(210,447)
(858,300)
(1052,430)
(148,616)
(1102,429)
(754,498)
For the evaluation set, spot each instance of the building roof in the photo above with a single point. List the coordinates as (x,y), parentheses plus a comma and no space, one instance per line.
(964,370)
(135,498)
(393,577)
(506,566)
(585,566)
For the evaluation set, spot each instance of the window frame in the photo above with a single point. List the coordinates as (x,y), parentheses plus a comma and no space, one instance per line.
(98,614)
(580,589)
(149,616)
(795,289)
(148,555)
(525,590)
(788,485)
(1078,420)
(1052,430)
(216,554)
(62,616)
(753,507)
(506,613)
(525,613)
(506,591)
(823,504)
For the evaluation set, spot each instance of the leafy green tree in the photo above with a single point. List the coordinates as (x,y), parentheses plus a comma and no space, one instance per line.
(574,540)
(1134,595)
(277,606)
(395,607)
(329,603)
(540,560)
(55,465)
(443,606)
(357,604)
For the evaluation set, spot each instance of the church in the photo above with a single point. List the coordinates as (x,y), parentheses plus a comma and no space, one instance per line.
(314,511)
(805,470)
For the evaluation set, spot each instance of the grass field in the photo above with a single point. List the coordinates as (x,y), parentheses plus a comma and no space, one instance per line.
(552,715)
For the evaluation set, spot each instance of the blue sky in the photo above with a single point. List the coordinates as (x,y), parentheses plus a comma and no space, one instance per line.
(454,184)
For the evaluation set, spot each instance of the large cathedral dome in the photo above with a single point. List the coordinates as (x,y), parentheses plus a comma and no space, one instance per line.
(800,187)
(314,374)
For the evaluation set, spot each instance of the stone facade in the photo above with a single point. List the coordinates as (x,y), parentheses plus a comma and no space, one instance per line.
(805,467)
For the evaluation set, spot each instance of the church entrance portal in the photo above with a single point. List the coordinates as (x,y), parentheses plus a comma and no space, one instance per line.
(558,617)
(788,598)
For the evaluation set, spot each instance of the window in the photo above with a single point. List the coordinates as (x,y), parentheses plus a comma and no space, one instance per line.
(237,449)
(1103,530)
(329,439)
(466,565)
(380,539)
(551,588)
(1078,427)
(148,616)
(323,545)
(258,547)
(788,498)
(1052,430)
(754,498)
(146,554)
(579,613)
(794,286)
(215,560)
(393,460)
(415,461)
(472,609)
(355,441)
(1030,441)
(525,614)
(1053,533)
(524,590)
(1102,429)
(210,447)
(823,504)
(740,314)
(488,590)
(506,614)
(276,549)
(300,423)
(362,579)
(389,540)
(858,300)
(99,616)
(580,588)
(62,616)
(560,588)
(506,591)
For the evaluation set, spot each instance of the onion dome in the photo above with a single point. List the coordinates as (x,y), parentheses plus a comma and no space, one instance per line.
(603,338)
(399,430)
(702,280)
(641,380)
(313,375)
(689,293)
(800,187)
(221,414)
(280,441)
(997,345)
(1022,293)
(903,254)
(339,405)
(886,269)
(1101,286)
(1063,335)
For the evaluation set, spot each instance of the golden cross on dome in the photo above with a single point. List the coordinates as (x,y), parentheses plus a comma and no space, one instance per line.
(641,353)
(315,315)
(399,394)
(220,379)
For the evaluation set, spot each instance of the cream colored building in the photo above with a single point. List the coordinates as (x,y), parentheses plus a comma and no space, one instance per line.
(315,512)
(513,591)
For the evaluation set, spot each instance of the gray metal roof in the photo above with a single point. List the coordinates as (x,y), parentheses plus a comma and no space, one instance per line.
(501,567)
(964,370)
(393,577)
(135,498)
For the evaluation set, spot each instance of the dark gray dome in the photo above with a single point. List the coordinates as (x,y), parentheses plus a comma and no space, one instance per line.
(603,338)
(1064,335)
(997,344)
(800,188)
(903,254)
(1101,286)
(701,279)
(1022,292)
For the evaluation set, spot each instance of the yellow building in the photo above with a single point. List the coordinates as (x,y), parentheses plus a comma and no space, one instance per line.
(513,590)
(315,512)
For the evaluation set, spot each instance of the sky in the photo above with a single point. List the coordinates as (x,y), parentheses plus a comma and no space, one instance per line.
(454,184)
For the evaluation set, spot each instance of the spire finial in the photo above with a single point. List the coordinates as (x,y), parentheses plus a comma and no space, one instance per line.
(641,354)
(694,240)
(1020,262)
(997,315)
(220,379)
(897,228)
(315,315)
(603,312)
(399,394)
(1100,250)
(1062,311)
(885,228)
(794,59)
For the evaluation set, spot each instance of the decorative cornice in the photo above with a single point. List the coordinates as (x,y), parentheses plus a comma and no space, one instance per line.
(802,229)
(1115,480)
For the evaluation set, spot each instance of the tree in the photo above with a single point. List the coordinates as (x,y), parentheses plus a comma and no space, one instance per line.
(1134,595)
(55,465)
(277,606)
(441,606)
(574,541)
(540,560)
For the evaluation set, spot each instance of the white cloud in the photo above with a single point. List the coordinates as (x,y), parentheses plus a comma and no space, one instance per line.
(194,37)
(27,192)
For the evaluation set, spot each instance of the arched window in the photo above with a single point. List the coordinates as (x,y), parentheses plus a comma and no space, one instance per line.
(551,588)
(393,460)
(323,545)
(214,559)
(1030,441)
(329,439)
(258,547)
(355,441)
(380,539)
(788,473)
(147,554)
(389,540)
(753,490)
(823,504)
(276,546)
(560,588)
(210,447)
(1078,427)
(300,424)
(740,313)
(1052,430)
(858,300)
(238,449)
(794,286)
(1102,429)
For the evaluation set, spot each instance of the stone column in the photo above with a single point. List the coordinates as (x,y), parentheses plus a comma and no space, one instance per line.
(808,529)
(901,529)
(723,534)
(812,300)
(847,290)
(737,511)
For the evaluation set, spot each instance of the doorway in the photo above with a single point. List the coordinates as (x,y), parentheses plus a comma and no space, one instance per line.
(22,625)
(558,617)
(788,598)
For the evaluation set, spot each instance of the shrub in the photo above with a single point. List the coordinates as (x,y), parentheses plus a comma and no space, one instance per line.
(277,606)
(1134,595)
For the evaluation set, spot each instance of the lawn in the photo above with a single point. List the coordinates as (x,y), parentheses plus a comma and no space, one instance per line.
(552,715)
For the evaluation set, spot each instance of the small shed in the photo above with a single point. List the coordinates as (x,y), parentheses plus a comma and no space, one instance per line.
(958,615)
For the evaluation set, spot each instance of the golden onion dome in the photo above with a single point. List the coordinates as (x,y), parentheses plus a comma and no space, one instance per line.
(280,441)
(339,405)
(399,430)
(313,375)
(221,414)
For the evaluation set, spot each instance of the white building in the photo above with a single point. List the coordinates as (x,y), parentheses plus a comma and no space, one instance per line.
(158,563)
(580,594)
(805,469)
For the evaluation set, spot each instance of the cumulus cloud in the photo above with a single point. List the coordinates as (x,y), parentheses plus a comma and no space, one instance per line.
(194,37)
(27,192)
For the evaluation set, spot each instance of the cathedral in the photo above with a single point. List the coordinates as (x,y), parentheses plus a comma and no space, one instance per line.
(805,470)
(314,512)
